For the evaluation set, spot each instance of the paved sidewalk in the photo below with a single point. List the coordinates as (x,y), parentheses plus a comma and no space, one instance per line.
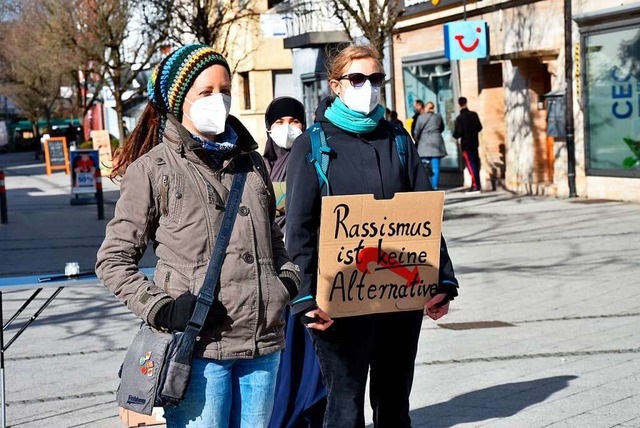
(555,280)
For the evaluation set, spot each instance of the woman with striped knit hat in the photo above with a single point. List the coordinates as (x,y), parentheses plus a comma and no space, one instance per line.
(176,171)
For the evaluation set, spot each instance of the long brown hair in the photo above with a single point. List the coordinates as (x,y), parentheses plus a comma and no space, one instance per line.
(143,138)
(340,59)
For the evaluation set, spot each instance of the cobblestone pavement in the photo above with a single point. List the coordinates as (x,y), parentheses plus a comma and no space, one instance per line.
(544,333)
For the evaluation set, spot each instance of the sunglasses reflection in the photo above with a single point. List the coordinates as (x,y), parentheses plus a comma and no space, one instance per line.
(358,79)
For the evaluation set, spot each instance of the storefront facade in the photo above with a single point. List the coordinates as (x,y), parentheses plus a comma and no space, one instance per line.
(518,91)
(610,100)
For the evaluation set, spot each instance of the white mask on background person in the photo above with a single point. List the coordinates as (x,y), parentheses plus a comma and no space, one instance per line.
(284,135)
(209,114)
(363,99)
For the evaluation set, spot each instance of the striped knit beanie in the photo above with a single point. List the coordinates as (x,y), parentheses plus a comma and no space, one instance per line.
(173,77)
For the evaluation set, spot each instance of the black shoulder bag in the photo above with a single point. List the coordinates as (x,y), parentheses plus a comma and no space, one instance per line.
(157,365)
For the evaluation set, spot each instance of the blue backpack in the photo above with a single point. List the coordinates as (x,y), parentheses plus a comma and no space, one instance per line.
(321,153)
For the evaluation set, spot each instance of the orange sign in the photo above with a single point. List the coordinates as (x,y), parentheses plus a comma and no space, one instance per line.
(56,155)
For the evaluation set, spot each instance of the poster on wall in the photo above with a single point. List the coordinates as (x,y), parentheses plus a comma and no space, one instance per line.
(378,255)
(466,40)
(83,171)
(102,143)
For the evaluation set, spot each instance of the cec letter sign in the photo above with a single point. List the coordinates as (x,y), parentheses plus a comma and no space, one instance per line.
(466,40)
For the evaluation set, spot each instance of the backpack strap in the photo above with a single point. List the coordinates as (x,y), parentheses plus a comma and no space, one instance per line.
(400,139)
(320,155)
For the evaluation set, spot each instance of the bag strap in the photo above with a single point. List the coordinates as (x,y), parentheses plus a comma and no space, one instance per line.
(320,155)
(207,292)
(400,139)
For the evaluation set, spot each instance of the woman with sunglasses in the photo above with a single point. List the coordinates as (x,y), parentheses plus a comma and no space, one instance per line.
(364,161)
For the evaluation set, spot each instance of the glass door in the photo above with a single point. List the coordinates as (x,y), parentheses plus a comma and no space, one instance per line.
(432,80)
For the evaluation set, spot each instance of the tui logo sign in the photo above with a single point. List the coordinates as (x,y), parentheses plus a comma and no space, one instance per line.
(466,40)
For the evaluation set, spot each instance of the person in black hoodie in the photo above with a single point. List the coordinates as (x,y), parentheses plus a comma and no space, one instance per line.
(285,121)
(300,396)
(364,161)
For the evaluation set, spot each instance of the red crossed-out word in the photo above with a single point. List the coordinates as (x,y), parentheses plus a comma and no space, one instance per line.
(385,261)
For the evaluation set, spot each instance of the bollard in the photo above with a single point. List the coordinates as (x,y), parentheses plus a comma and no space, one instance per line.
(99,196)
(3,200)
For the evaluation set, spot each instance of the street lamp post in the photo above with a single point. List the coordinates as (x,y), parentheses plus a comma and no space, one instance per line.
(568,69)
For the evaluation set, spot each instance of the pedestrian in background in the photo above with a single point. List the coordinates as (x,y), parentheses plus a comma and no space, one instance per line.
(393,118)
(285,121)
(467,128)
(418,109)
(428,138)
(175,194)
(364,160)
(300,397)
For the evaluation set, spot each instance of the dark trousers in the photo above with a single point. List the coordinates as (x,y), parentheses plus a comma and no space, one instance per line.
(472,161)
(385,344)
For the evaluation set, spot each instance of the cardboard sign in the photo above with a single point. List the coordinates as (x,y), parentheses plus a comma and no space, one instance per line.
(378,255)
(466,40)
(56,155)
(102,143)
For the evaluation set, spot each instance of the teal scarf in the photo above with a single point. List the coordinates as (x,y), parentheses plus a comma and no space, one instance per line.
(353,121)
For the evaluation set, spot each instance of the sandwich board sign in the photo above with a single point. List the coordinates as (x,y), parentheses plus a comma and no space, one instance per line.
(378,256)
(56,155)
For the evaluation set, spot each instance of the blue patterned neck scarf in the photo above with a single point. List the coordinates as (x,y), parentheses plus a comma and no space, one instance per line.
(218,151)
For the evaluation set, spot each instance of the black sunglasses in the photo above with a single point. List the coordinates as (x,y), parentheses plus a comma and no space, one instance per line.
(358,79)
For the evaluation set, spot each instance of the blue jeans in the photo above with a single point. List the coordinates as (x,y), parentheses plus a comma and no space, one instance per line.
(227,393)
(435,170)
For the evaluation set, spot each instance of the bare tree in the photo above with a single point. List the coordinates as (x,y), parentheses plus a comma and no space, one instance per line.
(32,82)
(131,33)
(373,19)
(216,23)
(86,43)
(70,27)
(376,19)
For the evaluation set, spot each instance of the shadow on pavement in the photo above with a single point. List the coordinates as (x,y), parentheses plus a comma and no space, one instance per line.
(499,401)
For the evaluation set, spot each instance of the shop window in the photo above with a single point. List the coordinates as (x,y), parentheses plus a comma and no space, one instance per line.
(314,89)
(283,84)
(612,83)
(432,80)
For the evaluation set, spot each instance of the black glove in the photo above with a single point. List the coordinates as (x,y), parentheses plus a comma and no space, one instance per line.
(175,316)
(290,285)
(216,316)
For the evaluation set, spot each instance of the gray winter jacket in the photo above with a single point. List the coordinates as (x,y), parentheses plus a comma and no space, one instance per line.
(428,135)
(171,196)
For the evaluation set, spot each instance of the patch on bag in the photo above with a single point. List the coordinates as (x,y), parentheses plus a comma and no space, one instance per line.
(135,400)
(146,365)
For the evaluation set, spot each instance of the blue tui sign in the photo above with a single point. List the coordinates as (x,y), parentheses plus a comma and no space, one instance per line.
(466,40)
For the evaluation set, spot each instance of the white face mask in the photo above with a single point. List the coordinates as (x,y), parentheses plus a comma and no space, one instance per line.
(363,99)
(284,135)
(209,114)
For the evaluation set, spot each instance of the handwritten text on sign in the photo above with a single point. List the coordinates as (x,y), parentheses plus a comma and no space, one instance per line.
(379,255)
